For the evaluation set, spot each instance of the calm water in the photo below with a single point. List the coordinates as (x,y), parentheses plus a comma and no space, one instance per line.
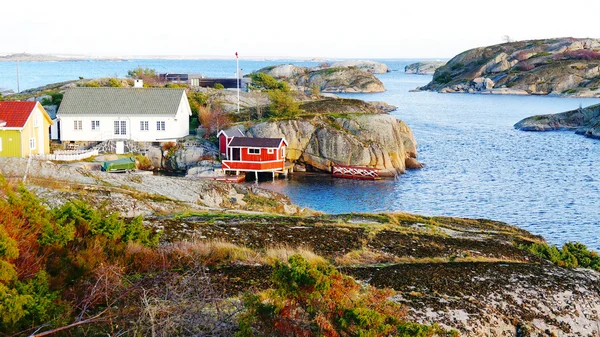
(476,164)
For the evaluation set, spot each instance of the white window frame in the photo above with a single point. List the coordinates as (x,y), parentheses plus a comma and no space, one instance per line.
(36,121)
(95,125)
(77,125)
(32,143)
(144,126)
(0,144)
(270,151)
(250,149)
(161,126)
(120,128)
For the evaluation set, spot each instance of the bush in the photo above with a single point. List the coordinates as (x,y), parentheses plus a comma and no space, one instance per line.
(219,86)
(317,300)
(197,100)
(140,72)
(213,119)
(572,255)
(267,82)
(114,82)
(283,104)
(457,66)
(442,77)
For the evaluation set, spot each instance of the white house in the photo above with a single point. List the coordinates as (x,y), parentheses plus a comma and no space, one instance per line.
(139,114)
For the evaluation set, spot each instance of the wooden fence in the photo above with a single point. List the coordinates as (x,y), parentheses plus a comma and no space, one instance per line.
(67,155)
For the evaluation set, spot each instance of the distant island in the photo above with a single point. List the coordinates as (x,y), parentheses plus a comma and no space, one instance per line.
(561,66)
(423,67)
(585,121)
(25,57)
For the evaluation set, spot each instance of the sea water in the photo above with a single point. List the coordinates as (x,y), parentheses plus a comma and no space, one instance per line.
(476,164)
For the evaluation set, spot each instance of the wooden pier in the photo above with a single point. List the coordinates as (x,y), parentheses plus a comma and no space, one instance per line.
(355,172)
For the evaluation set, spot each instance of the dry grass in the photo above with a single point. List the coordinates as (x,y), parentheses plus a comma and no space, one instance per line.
(282,253)
(365,256)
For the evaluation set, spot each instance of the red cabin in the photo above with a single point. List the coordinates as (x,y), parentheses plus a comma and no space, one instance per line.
(255,154)
(225,136)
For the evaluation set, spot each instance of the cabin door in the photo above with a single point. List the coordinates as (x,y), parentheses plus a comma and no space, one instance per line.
(236,153)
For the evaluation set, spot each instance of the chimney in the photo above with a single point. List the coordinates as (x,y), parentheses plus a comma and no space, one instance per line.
(138,83)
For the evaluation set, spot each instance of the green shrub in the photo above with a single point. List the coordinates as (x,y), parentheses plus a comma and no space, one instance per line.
(283,104)
(114,82)
(267,82)
(457,66)
(140,72)
(540,54)
(572,255)
(219,86)
(442,78)
(317,300)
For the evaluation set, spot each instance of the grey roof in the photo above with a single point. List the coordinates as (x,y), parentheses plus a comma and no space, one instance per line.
(233,131)
(255,142)
(120,101)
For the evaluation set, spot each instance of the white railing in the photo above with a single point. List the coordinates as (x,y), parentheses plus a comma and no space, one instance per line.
(67,155)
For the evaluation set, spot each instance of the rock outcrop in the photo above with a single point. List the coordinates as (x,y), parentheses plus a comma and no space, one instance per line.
(328,80)
(379,141)
(566,67)
(423,67)
(585,121)
(370,66)
(134,194)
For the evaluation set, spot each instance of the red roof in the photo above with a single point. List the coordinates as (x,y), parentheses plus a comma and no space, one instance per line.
(255,142)
(15,114)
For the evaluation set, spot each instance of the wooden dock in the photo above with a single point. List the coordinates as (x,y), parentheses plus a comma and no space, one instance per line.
(355,172)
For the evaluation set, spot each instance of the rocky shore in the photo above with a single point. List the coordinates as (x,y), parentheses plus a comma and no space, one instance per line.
(562,67)
(423,67)
(585,121)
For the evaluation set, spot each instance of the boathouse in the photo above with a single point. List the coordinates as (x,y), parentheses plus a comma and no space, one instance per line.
(245,154)
(225,136)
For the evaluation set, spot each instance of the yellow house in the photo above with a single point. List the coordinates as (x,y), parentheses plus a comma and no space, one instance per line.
(24,129)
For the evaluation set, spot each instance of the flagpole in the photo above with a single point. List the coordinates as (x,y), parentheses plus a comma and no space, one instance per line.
(18,84)
(237,80)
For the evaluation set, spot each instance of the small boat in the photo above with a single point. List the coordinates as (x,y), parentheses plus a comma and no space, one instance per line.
(119,165)
(355,172)
(231,179)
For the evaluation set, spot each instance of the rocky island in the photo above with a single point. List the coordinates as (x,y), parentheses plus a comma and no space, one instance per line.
(562,66)
(423,67)
(585,121)
(327,79)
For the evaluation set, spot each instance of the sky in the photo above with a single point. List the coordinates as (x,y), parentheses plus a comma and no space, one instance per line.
(268,28)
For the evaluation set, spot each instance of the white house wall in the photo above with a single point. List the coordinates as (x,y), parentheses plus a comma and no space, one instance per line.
(175,127)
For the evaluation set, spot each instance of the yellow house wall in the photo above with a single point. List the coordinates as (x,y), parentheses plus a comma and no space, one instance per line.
(11,143)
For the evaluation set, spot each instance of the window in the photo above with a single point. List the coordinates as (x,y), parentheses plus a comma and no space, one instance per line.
(160,126)
(144,126)
(254,151)
(95,125)
(77,125)
(0,144)
(36,121)
(120,127)
(270,151)
(32,143)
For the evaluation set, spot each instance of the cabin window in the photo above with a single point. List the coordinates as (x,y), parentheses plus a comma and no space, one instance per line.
(95,125)
(120,127)
(253,151)
(77,125)
(270,151)
(32,143)
(160,125)
(36,121)
(144,126)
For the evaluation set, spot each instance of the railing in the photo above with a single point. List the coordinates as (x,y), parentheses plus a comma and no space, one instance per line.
(271,165)
(66,155)
(355,172)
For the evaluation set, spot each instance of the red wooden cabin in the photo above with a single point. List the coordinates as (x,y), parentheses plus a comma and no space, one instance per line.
(225,136)
(255,154)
